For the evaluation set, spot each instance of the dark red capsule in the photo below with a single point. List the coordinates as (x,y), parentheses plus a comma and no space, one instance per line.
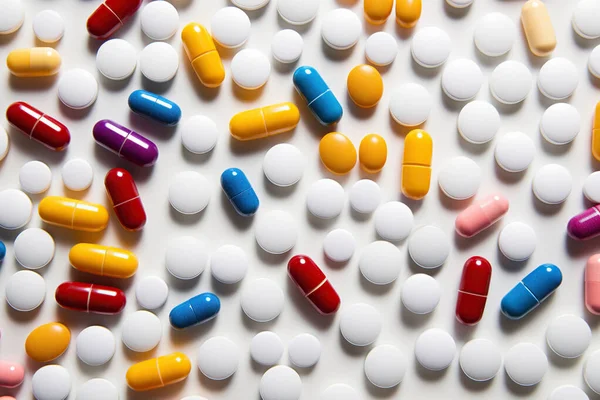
(473,290)
(88,297)
(110,16)
(38,126)
(313,283)
(125,199)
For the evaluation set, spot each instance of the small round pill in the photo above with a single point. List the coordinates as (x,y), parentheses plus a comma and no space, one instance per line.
(262,300)
(12,16)
(393,221)
(304,350)
(365,196)
(360,324)
(230,27)
(159,62)
(199,134)
(591,187)
(159,20)
(25,290)
(381,49)
(222,349)
(266,348)
(15,209)
(250,5)
(460,178)
(429,246)
(480,360)
(298,12)
(339,245)
(77,89)
(385,366)
(435,349)
(421,294)
(51,382)
(514,151)
(585,19)
(250,69)
(34,248)
(116,59)
(35,177)
(48,26)
(380,262)
(95,345)
(591,371)
(151,292)
(594,62)
(517,241)
(526,364)
(495,34)
(558,78)
(459,3)
(568,392)
(286,46)
(229,264)
(141,331)
(337,153)
(461,80)
(552,184)
(339,391)
(186,257)
(97,389)
(372,153)
(4,143)
(430,47)
(569,336)
(276,232)
(410,104)
(77,174)
(478,122)
(284,165)
(189,192)
(365,86)
(280,383)
(341,29)
(560,123)
(325,199)
(510,82)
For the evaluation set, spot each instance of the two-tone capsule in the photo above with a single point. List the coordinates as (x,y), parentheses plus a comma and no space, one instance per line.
(91,298)
(38,126)
(125,143)
(33,62)
(592,284)
(73,214)
(158,372)
(416,164)
(202,53)
(197,310)
(125,199)
(585,225)
(266,121)
(239,191)
(538,28)
(481,215)
(110,16)
(103,260)
(319,97)
(473,290)
(154,107)
(313,284)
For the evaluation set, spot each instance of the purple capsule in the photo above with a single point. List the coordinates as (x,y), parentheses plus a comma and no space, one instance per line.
(126,143)
(585,225)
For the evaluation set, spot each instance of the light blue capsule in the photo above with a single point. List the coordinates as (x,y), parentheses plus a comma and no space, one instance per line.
(155,107)
(196,310)
(239,191)
(321,100)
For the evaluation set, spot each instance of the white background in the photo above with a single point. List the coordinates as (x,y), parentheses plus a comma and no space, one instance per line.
(218,224)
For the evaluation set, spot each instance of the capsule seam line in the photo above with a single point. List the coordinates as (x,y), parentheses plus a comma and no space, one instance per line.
(264,122)
(34,125)
(114,13)
(530,292)
(103,261)
(124,141)
(126,201)
(317,98)
(73,215)
(162,384)
(473,294)
(89,298)
(317,288)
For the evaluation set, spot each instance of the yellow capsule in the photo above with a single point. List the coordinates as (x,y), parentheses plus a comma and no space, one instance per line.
(377,11)
(337,153)
(596,133)
(416,164)
(47,342)
(408,12)
(103,260)
(538,28)
(365,86)
(262,122)
(158,372)
(372,153)
(73,214)
(203,55)
(33,62)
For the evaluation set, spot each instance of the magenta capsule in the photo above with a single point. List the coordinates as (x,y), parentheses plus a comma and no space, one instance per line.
(125,143)
(481,215)
(585,225)
(592,284)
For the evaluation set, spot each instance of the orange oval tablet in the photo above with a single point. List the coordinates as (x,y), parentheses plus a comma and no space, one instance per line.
(365,86)
(47,342)
(337,153)
(408,12)
(372,153)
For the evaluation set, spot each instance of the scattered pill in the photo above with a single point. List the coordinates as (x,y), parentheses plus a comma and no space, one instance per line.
(116,59)
(365,86)
(250,69)
(510,82)
(340,29)
(568,336)
(435,349)
(280,383)
(34,62)
(339,391)
(385,366)
(38,126)
(230,27)
(229,264)
(339,245)
(110,16)
(584,19)
(568,392)
(151,292)
(377,12)
(11,375)
(12,17)
(459,3)
(560,123)
(525,364)
(159,20)
(25,291)
(158,372)
(552,184)
(380,262)
(73,214)
(304,350)
(538,28)
(429,246)
(51,382)
(410,104)
(189,192)
(473,290)
(592,280)
(320,99)
(591,371)
(313,284)
(48,26)
(103,260)
(266,348)
(460,178)
(141,331)
(514,151)
(408,12)
(381,49)
(154,107)
(199,134)
(77,174)
(558,78)
(35,177)
(495,34)
(239,191)
(95,345)
(125,143)
(90,298)
(266,121)
(478,122)
(284,165)
(34,248)
(203,55)
(416,164)
(360,324)
(4,143)
(517,241)
(591,187)
(47,342)
(125,199)
(430,47)
(480,360)
(325,199)
(250,5)
(372,153)
(197,310)
(94,388)
(286,46)
(262,300)
(421,294)
(393,221)
(222,349)
(159,62)
(337,153)
(186,257)
(276,232)
(461,80)
(15,209)
(298,12)
(365,196)
(594,62)
(596,132)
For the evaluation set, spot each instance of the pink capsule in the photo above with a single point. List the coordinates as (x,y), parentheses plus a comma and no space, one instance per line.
(481,215)
(592,284)
(585,225)
(11,374)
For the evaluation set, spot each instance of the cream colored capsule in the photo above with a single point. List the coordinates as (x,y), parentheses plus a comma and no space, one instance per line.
(33,62)
(538,28)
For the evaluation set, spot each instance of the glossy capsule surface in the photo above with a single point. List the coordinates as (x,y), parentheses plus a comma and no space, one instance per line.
(239,191)
(91,298)
(408,12)
(372,153)
(38,126)
(377,11)
(110,16)
(481,215)
(585,225)
(11,374)
(596,133)
(538,28)
(202,53)
(313,284)
(47,342)
(158,372)
(155,107)
(125,143)
(73,214)
(473,290)
(531,291)
(125,199)
(319,97)
(266,121)
(592,284)
(197,310)
(34,62)
(103,260)
(416,164)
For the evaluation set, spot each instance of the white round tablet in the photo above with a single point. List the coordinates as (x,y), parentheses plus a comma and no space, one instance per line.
(591,187)
(25,290)
(430,47)
(48,26)
(77,174)
(199,134)
(77,89)
(428,246)
(229,264)
(421,294)
(460,178)
(276,232)
(591,371)
(393,221)
(410,104)
(51,382)
(385,366)
(558,78)
(510,82)
(585,19)
(552,184)
(116,59)
(97,389)
(189,192)
(594,62)
(35,177)
(480,359)
(34,248)
(230,27)
(141,331)
(15,209)
(360,324)
(250,5)
(262,300)
(12,16)
(380,262)
(298,12)
(159,62)
(151,292)
(266,348)
(560,123)
(4,143)
(186,257)
(459,3)
(339,391)
(325,198)
(461,79)
(284,165)
(365,196)
(568,392)
(95,345)
(280,383)
(340,29)
(250,69)
(478,122)
(381,49)
(514,151)
(286,46)
(339,245)
(218,358)
(159,20)
(526,364)
(304,350)
(569,336)
(517,241)
(495,34)
(435,349)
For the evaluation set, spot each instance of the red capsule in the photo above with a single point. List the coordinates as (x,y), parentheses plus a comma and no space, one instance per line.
(473,290)
(38,126)
(88,297)
(110,16)
(125,199)
(313,283)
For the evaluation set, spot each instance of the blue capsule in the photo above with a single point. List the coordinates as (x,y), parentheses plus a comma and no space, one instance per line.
(2,251)
(321,100)
(196,310)
(531,291)
(239,191)
(154,107)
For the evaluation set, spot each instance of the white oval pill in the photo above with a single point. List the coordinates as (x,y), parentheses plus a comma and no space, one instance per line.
(77,174)
(266,348)
(560,123)
(360,324)
(585,19)
(230,27)
(298,12)
(199,134)
(421,294)
(594,62)
(381,49)
(460,178)
(517,241)
(340,29)
(77,89)
(304,350)
(25,290)
(48,26)
(189,192)
(495,34)
(435,349)
(461,79)
(229,264)
(514,151)
(250,69)
(159,62)
(591,187)
(276,232)
(410,104)
(280,383)
(558,78)
(97,389)
(591,371)
(478,122)
(186,257)
(116,59)
(286,46)
(325,198)
(552,184)
(141,331)
(525,364)
(510,82)
(339,245)
(568,392)
(262,300)
(34,248)
(4,143)
(51,382)
(151,292)
(95,345)
(569,336)
(385,366)
(380,262)
(250,5)
(430,47)
(393,221)
(218,358)
(480,360)
(35,177)
(159,20)
(459,3)
(365,196)
(15,209)
(429,246)
(340,391)
(12,16)
(284,165)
